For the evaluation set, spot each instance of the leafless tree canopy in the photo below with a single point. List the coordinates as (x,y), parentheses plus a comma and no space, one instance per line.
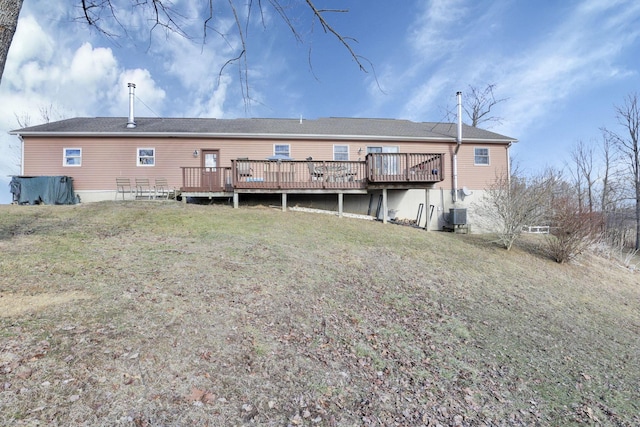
(162,15)
(628,144)
(583,174)
(478,105)
(513,202)
(103,15)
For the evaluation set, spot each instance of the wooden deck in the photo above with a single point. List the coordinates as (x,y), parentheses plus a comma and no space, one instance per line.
(396,170)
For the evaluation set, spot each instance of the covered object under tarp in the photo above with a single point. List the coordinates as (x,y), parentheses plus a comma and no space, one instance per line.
(50,190)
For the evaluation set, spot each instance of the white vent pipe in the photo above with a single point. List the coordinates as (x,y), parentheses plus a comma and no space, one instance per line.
(458,143)
(131,123)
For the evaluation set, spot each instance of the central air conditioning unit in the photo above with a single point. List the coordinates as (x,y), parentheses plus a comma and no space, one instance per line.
(458,216)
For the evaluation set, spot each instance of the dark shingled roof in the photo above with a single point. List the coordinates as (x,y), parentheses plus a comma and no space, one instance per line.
(346,128)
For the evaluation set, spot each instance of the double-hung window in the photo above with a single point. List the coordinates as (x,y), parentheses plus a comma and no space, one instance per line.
(340,152)
(72,157)
(481,156)
(282,150)
(146,157)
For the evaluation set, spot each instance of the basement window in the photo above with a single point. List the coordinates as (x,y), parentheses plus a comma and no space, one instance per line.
(481,156)
(146,156)
(340,152)
(72,157)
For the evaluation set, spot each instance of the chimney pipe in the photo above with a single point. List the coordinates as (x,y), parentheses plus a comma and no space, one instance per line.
(458,143)
(131,123)
(459,133)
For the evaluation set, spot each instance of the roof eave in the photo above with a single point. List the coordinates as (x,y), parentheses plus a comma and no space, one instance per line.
(279,136)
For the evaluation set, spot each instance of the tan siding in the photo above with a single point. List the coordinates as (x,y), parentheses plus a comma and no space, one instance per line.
(103,159)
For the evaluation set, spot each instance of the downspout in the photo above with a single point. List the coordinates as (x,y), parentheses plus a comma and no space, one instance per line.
(131,123)
(21,155)
(458,143)
(509,164)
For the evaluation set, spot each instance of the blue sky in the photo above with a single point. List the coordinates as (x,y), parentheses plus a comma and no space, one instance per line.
(561,66)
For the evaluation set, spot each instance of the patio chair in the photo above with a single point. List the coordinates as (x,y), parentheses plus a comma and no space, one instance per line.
(161,189)
(315,171)
(243,168)
(143,187)
(123,186)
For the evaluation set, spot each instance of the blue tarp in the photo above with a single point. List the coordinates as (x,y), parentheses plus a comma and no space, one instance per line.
(50,190)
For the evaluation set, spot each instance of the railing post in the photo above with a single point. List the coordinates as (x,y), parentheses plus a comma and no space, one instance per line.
(406,166)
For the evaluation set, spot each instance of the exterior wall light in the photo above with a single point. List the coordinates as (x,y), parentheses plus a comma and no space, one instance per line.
(195,153)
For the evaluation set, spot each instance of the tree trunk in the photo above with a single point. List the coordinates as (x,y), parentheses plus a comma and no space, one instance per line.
(9,11)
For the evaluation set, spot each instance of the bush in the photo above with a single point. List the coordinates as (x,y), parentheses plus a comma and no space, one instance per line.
(572,231)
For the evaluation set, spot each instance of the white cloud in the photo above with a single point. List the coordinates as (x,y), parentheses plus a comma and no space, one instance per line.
(579,54)
(150,97)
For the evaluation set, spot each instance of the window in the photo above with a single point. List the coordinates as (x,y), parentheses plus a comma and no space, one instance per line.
(72,157)
(281,150)
(146,156)
(481,156)
(340,152)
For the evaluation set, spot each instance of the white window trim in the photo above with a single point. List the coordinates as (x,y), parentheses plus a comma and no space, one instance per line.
(65,157)
(288,149)
(340,145)
(138,156)
(475,156)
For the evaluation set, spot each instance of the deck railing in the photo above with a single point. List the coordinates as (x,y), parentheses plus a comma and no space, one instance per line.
(405,167)
(209,180)
(291,174)
(377,168)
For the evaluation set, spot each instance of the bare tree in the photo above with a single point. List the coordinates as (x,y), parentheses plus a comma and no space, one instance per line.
(608,159)
(584,175)
(48,113)
(104,15)
(572,229)
(513,203)
(628,115)
(477,105)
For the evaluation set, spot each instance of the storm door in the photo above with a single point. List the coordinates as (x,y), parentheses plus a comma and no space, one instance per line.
(211,170)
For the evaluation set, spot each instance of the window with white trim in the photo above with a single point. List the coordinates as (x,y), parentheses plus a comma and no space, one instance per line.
(481,156)
(283,150)
(146,157)
(340,152)
(72,157)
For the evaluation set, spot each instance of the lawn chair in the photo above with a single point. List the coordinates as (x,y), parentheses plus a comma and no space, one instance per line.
(243,168)
(143,187)
(161,189)
(123,186)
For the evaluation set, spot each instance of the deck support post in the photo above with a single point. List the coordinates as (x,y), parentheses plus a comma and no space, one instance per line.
(385,209)
(340,204)
(284,202)
(426,210)
(236,200)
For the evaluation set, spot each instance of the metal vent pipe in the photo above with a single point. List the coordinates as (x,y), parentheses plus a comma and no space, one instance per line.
(131,123)
(458,143)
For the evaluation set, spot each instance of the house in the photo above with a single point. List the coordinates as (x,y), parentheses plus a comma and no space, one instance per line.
(415,171)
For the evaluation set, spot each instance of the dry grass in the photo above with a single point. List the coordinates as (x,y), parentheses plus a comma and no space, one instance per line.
(159,314)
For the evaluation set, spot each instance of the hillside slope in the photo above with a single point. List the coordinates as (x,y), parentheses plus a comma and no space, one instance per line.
(156,313)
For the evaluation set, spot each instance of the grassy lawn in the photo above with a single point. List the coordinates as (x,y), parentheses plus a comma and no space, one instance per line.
(158,314)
